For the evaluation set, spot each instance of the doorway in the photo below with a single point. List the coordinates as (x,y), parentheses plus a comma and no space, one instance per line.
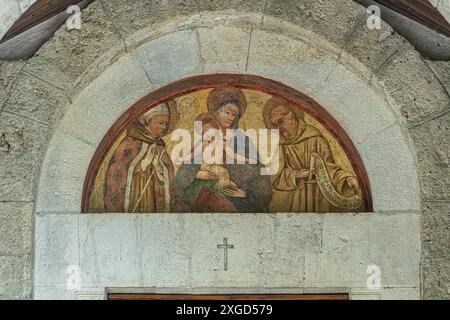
(240,297)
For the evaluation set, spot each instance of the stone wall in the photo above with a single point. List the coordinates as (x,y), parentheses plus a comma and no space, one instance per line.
(38,97)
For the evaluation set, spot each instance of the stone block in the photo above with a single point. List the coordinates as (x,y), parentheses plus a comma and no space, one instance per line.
(59,293)
(35,99)
(416,90)
(171,57)
(257,6)
(22,144)
(251,235)
(375,47)
(436,228)
(442,71)
(15,277)
(298,233)
(334,20)
(401,293)
(110,250)
(436,278)
(16,225)
(57,255)
(392,171)
(63,173)
(101,103)
(432,141)
(9,71)
(294,63)
(352,102)
(9,14)
(298,237)
(146,13)
(165,254)
(353,242)
(224,49)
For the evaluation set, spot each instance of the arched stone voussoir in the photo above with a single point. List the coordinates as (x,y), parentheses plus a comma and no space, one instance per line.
(171,57)
(62,176)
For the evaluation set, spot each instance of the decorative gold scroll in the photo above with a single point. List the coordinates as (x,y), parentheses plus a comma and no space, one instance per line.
(325,185)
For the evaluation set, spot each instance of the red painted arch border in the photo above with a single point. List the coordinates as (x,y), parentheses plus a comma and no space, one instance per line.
(243,81)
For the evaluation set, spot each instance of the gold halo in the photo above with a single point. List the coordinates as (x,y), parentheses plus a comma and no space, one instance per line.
(275,102)
(174,115)
(222,96)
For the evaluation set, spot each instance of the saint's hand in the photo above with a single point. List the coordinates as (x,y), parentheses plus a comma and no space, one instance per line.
(234,192)
(352,184)
(206,176)
(305,173)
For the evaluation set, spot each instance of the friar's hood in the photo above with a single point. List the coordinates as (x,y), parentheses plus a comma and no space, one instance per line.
(304,132)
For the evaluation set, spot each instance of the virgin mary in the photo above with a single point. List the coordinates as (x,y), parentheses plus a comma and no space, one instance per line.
(194,187)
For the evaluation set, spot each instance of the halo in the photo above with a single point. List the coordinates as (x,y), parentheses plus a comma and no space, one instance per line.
(222,96)
(174,115)
(186,105)
(275,102)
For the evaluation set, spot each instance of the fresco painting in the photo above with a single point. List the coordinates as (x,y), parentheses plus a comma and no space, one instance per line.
(139,175)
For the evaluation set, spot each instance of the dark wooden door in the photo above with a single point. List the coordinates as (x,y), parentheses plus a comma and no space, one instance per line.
(242,297)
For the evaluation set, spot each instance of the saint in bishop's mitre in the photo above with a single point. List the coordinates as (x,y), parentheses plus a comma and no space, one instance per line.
(139,178)
(308,179)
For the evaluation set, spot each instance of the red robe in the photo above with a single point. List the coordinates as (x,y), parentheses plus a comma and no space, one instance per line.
(152,199)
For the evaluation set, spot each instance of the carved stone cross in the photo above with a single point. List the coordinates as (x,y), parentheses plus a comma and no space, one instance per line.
(225,246)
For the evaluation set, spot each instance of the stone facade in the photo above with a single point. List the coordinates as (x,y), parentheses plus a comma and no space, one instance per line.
(56,107)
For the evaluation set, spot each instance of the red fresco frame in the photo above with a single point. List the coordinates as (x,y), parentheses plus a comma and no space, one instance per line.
(242,81)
